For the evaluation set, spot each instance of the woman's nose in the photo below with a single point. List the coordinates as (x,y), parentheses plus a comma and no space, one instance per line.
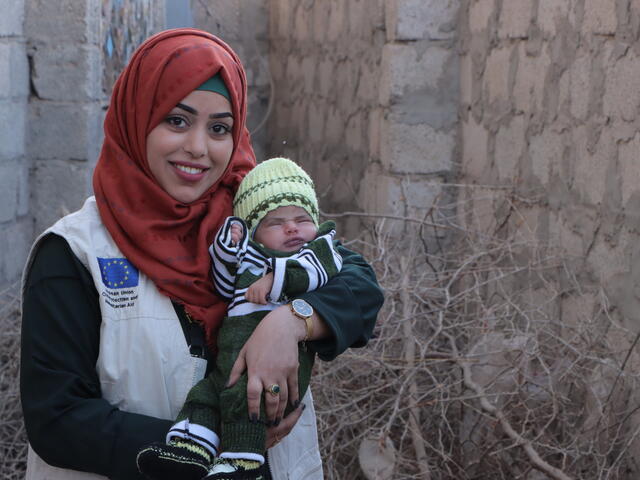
(195,144)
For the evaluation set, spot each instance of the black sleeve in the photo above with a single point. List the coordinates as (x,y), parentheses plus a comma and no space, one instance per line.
(68,422)
(349,305)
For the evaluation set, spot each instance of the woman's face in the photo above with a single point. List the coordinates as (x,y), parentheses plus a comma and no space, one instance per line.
(190,149)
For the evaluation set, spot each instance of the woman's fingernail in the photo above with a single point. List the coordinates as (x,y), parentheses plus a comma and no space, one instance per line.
(303,406)
(296,403)
(277,422)
(254,418)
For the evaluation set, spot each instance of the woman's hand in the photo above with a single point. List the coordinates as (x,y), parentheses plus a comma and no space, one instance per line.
(275,434)
(270,357)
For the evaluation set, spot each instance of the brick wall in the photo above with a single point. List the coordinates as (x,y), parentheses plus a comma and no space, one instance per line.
(550,104)
(366,100)
(15,226)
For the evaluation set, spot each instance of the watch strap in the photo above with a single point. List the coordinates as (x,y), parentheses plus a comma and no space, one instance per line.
(309,324)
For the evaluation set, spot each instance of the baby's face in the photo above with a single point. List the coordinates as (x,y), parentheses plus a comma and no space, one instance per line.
(286,229)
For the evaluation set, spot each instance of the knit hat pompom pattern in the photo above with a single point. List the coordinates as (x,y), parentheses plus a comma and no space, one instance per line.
(274,183)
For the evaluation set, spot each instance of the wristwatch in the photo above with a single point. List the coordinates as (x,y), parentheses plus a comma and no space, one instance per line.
(301,309)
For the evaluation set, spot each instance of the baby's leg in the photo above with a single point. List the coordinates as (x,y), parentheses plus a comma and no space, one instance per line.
(192,442)
(242,440)
(199,419)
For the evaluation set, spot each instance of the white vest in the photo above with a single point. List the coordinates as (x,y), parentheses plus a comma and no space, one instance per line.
(144,363)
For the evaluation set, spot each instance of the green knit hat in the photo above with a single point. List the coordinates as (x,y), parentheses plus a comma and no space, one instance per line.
(274,183)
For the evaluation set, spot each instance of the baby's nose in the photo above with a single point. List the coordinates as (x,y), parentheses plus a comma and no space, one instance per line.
(291,226)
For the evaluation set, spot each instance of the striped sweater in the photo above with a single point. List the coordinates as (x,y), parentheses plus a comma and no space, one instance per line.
(236,267)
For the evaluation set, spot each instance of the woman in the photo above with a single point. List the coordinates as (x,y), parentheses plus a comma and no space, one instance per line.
(115,294)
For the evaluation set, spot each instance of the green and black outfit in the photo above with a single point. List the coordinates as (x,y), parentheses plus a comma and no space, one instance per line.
(235,268)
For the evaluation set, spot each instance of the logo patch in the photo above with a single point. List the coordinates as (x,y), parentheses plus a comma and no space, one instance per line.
(118,272)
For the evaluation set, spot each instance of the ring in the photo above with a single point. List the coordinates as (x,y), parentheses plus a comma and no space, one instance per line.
(274,389)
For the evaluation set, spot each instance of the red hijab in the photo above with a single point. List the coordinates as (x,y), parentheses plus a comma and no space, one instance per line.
(164,238)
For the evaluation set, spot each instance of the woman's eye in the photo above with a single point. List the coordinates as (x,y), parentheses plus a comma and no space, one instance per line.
(175,121)
(220,129)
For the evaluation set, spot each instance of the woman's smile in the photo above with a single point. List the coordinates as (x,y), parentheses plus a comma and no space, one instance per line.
(189,172)
(191,148)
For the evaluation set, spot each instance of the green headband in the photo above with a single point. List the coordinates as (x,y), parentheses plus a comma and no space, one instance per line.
(216,85)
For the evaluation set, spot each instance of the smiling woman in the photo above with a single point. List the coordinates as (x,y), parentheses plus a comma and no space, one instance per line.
(190,149)
(118,298)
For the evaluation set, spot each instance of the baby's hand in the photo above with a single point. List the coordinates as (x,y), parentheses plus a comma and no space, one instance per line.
(258,291)
(236,233)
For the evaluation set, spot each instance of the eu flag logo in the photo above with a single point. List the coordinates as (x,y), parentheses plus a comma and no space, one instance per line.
(118,272)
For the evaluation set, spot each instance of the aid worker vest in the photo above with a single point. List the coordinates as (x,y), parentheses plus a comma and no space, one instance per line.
(144,364)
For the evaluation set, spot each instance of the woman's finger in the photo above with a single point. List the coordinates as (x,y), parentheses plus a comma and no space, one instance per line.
(282,404)
(277,433)
(285,394)
(254,394)
(294,395)
(238,368)
(272,401)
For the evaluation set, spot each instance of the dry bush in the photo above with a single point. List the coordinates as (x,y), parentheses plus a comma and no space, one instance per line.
(492,360)
(13,440)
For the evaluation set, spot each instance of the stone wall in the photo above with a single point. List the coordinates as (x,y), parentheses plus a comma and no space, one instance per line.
(16,229)
(550,105)
(366,100)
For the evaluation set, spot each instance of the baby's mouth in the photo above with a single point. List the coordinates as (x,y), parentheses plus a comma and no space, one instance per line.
(294,242)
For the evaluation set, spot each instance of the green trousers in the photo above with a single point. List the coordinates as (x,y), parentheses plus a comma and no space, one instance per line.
(224,410)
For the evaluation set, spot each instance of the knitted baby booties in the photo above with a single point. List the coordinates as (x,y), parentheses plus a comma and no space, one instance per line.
(236,469)
(179,459)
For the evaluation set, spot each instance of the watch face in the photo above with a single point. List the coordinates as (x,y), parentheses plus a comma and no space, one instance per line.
(301,307)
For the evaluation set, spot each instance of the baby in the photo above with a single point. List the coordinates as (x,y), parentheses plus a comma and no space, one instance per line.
(271,251)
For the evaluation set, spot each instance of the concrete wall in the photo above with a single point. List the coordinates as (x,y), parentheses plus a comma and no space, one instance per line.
(366,100)
(65,106)
(362,93)
(550,103)
(245,27)
(16,228)
(74,60)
